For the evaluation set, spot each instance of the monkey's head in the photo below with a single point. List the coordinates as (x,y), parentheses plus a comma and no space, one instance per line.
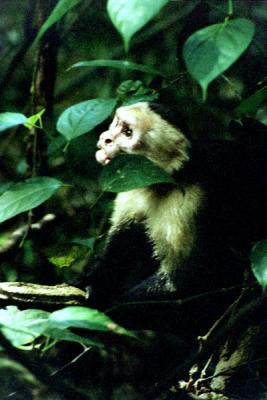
(139,129)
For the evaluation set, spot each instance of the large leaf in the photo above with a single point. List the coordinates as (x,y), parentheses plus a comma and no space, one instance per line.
(117,64)
(83,117)
(251,104)
(86,318)
(258,259)
(210,51)
(10,119)
(62,7)
(130,172)
(129,16)
(27,195)
(68,336)
(22,327)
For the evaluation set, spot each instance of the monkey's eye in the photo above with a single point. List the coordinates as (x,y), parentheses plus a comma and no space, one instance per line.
(128,132)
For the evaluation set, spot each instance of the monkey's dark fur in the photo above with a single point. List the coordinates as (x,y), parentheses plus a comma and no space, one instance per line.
(171,241)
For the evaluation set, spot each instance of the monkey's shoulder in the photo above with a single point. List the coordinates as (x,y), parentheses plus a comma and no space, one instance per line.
(163,202)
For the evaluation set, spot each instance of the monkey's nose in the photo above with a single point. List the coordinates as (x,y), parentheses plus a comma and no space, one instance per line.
(105,138)
(108,141)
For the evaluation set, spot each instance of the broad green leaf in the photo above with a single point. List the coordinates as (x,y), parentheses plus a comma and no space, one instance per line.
(22,327)
(251,104)
(61,8)
(10,119)
(67,335)
(258,259)
(83,117)
(129,16)
(129,172)
(86,318)
(117,64)
(210,51)
(27,195)
(131,92)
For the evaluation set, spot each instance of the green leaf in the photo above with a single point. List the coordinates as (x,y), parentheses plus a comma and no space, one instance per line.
(129,172)
(27,195)
(118,64)
(131,92)
(10,119)
(22,327)
(4,186)
(33,119)
(251,104)
(210,51)
(129,16)
(61,8)
(67,335)
(83,117)
(258,259)
(64,256)
(85,318)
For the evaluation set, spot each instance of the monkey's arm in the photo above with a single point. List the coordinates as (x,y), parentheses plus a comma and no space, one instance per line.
(125,262)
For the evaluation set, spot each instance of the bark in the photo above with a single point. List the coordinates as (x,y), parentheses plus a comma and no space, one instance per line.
(43,85)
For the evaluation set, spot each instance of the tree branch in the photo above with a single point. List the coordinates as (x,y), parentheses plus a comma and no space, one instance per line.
(29,294)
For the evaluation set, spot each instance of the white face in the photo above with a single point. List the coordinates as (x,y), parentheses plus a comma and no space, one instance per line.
(124,134)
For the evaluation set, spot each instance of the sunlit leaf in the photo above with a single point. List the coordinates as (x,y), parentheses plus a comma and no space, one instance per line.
(10,119)
(61,8)
(130,172)
(83,117)
(34,119)
(64,256)
(210,51)
(258,259)
(129,16)
(22,327)
(86,318)
(117,64)
(26,196)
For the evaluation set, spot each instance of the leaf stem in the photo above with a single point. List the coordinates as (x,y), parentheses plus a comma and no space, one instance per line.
(230,8)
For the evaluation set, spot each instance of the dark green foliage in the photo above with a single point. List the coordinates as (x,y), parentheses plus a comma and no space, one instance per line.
(259,262)
(130,172)
(22,328)
(48,143)
(212,50)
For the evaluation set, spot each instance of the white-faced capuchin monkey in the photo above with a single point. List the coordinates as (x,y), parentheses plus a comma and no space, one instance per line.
(169,241)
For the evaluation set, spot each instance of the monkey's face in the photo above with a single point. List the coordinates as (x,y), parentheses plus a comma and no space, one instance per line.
(137,129)
(126,133)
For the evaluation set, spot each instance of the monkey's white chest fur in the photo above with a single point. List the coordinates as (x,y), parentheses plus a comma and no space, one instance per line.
(169,220)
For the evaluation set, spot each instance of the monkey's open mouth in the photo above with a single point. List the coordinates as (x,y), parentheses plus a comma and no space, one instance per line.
(102,157)
(107,159)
